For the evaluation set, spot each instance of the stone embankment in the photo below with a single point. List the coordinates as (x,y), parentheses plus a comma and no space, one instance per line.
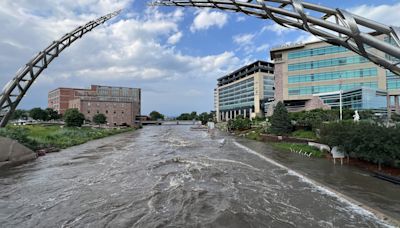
(13,153)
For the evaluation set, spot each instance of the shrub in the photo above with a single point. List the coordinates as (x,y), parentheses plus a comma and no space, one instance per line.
(280,122)
(99,118)
(73,118)
(364,140)
(239,123)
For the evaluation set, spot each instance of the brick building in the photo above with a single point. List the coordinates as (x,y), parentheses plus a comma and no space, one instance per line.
(120,105)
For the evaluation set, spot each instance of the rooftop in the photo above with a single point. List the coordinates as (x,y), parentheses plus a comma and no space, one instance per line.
(258,66)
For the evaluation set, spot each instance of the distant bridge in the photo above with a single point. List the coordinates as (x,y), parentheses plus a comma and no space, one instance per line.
(170,122)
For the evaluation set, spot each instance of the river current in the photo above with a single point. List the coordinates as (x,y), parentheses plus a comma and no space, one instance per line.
(168,176)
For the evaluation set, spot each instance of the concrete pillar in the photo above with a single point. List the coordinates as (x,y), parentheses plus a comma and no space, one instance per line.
(231,114)
(244,114)
(389,108)
(397,104)
(240,111)
(226,116)
(234,114)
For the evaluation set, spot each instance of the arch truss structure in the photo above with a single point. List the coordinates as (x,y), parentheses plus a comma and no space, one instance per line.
(335,26)
(16,89)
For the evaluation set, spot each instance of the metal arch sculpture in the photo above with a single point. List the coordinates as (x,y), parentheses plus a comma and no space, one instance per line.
(344,30)
(15,90)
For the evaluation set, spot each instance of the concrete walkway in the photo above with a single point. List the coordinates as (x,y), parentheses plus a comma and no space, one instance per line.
(360,185)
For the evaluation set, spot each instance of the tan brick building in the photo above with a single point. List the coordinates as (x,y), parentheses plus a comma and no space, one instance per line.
(120,105)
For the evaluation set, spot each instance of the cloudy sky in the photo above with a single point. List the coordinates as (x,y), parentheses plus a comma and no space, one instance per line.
(174,54)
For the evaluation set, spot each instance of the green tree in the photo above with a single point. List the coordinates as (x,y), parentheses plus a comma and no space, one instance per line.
(205,117)
(19,114)
(193,115)
(188,116)
(73,118)
(99,119)
(38,114)
(52,114)
(154,115)
(280,122)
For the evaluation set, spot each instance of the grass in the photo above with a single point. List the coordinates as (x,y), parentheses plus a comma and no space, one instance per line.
(37,136)
(299,147)
(304,134)
(254,134)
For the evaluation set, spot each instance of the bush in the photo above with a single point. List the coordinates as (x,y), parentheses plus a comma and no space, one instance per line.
(280,122)
(240,123)
(314,118)
(73,118)
(99,118)
(364,140)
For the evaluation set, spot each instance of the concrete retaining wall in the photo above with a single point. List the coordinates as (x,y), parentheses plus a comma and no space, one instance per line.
(13,153)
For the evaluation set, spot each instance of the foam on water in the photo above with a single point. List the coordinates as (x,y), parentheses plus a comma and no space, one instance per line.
(323,189)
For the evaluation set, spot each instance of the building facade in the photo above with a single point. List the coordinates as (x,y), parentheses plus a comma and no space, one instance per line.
(119,104)
(304,70)
(362,98)
(245,91)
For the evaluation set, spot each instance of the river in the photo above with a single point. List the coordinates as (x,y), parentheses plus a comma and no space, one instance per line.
(168,176)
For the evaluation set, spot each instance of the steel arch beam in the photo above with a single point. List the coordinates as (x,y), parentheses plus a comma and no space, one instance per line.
(335,26)
(16,89)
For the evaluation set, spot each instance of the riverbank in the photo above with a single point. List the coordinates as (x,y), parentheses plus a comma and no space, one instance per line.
(45,139)
(349,182)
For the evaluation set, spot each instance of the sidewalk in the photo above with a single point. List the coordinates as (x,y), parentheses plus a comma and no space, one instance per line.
(350,181)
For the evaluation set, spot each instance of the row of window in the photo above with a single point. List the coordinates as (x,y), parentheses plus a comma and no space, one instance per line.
(98,112)
(309,90)
(393,81)
(236,106)
(245,85)
(235,96)
(327,63)
(316,51)
(369,72)
(391,41)
(269,87)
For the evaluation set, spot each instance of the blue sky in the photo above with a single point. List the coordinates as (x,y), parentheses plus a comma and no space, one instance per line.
(174,54)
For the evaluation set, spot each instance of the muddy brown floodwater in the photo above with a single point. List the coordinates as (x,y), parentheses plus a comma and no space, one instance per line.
(168,176)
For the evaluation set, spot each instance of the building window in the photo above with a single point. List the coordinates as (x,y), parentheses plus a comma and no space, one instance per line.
(106,111)
(88,111)
(98,112)
(122,112)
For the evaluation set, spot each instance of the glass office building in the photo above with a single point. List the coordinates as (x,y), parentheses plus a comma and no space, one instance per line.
(243,91)
(303,71)
(361,98)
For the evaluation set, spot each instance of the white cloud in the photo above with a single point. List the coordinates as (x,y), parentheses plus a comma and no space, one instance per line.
(306,38)
(174,39)
(386,14)
(263,48)
(278,29)
(206,19)
(244,39)
(240,19)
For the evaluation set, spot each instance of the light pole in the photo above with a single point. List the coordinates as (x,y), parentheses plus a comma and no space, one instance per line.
(341,105)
